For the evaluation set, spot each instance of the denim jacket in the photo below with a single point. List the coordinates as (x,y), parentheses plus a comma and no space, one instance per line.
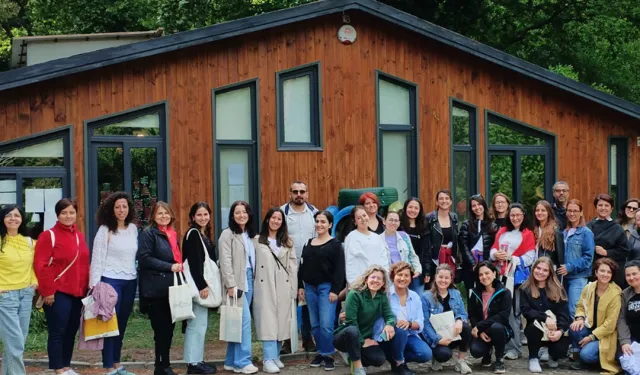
(431,306)
(578,252)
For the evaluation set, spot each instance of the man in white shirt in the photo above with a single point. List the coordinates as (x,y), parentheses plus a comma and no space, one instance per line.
(301,226)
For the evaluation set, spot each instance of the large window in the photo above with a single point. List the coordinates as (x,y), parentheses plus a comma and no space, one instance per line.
(299,108)
(397,135)
(464,162)
(520,160)
(35,172)
(236,171)
(619,169)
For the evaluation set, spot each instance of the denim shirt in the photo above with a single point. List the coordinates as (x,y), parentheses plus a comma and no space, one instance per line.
(414,311)
(578,252)
(430,305)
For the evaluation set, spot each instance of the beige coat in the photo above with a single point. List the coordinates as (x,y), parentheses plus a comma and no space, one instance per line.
(233,262)
(274,291)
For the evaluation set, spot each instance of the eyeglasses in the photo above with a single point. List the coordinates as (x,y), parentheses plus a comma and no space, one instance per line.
(393,220)
(631,208)
(515,216)
(500,203)
(299,192)
(561,190)
(573,212)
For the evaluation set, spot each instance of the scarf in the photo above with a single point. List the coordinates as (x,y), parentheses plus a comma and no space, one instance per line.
(173,241)
(528,243)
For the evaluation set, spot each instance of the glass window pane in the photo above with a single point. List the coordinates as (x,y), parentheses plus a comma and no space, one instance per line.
(461,126)
(147,125)
(501,135)
(394,103)
(8,190)
(461,183)
(110,171)
(234,180)
(297,109)
(613,171)
(532,179)
(502,175)
(36,221)
(395,163)
(44,154)
(233,114)
(144,180)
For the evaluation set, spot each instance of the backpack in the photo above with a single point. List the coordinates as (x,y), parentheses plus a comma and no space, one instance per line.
(309,205)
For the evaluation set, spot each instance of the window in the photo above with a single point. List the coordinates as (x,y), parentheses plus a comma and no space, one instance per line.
(299,108)
(464,177)
(236,171)
(619,169)
(520,160)
(397,135)
(35,172)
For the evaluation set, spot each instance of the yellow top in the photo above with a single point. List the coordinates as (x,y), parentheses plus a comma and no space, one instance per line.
(16,263)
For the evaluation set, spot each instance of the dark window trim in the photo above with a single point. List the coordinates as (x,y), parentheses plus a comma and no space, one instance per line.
(472,148)
(414,177)
(314,71)
(252,145)
(622,180)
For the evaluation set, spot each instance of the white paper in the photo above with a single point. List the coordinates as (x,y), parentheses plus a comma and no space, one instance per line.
(8,198)
(34,200)
(51,197)
(224,217)
(50,219)
(7,186)
(443,324)
(236,174)
(236,193)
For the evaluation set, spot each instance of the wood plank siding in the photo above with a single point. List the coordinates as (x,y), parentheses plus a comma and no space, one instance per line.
(185,79)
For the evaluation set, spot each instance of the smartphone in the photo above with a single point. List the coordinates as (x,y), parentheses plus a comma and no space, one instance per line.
(382,337)
(239,293)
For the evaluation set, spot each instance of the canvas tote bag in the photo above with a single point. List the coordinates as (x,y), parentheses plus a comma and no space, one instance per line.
(211,274)
(180,299)
(231,320)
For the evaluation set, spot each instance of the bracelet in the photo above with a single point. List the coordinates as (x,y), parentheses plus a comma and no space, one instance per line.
(592,337)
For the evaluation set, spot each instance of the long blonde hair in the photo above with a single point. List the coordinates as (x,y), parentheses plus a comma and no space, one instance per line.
(555,291)
(360,284)
(546,238)
(440,268)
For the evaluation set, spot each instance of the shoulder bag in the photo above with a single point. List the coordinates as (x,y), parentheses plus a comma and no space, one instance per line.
(40,300)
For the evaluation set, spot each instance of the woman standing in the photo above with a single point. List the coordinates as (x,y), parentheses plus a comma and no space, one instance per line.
(444,297)
(398,245)
(61,263)
(195,244)
(626,215)
(634,239)
(320,280)
(17,284)
(237,265)
(629,319)
(611,242)
(443,233)
(549,241)
(593,333)
(540,293)
(363,248)
(158,258)
(489,314)
(477,234)
(113,261)
(275,287)
(371,204)
(414,224)
(578,254)
(499,205)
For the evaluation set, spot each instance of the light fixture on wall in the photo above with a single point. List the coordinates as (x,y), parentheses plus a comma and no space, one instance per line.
(347,34)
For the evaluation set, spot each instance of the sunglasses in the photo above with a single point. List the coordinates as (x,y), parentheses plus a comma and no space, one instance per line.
(296,192)
(631,208)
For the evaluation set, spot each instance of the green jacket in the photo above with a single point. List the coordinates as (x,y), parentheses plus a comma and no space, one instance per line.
(363,310)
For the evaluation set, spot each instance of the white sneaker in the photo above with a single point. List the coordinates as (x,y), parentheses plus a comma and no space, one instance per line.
(436,366)
(534,365)
(248,369)
(462,367)
(278,363)
(553,363)
(71,372)
(544,354)
(270,367)
(229,368)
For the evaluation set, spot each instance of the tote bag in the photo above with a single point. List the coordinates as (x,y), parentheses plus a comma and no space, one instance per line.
(180,299)
(211,274)
(294,326)
(443,325)
(231,320)
(96,328)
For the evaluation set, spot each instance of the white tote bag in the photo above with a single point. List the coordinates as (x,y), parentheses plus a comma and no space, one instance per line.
(231,320)
(180,299)
(443,325)
(294,326)
(211,274)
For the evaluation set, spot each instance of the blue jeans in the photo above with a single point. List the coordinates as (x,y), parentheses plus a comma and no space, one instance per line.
(271,350)
(574,287)
(590,353)
(406,348)
(194,335)
(417,285)
(322,314)
(63,321)
(126,290)
(239,354)
(15,315)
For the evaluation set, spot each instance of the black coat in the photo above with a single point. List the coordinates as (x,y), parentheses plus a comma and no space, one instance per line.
(634,245)
(610,235)
(556,256)
(467,240)
(435,238)
(499,309)
(155,259)
(193,252)
(420,241)
(535,309)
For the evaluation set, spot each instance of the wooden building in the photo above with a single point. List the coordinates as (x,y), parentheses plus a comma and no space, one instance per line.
(241,109)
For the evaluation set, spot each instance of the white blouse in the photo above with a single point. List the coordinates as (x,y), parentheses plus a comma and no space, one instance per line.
(114,255)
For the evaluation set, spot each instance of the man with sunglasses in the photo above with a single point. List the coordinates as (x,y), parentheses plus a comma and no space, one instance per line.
(560,199)
(301,225)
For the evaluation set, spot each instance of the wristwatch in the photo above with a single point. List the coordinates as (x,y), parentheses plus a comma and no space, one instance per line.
(592,337)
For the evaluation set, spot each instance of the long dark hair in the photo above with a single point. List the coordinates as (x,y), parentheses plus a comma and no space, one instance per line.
(420,219)
(282,235)
(493,269)
(22,229)
(486,217)
(249,227)
(192,213)
(622,213)
(105,215)
(526,223)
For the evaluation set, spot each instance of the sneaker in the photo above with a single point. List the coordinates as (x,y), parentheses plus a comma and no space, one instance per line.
(309,346)
(71,372)
(278,363)
(403,369)
(229,368)
(462,367)
(329,364)
(345,357)
(524,340)
(436,366)
(200,368)
(122,371)
(499,367)
(486,361)
(512,355)
(270,367)
(360,371)
(553,363)
(534,365)
(544,354)
(317,361)
(248,369)
(577,365)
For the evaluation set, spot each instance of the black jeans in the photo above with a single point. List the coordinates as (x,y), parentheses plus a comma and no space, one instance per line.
(499,338)
(63,322)
(162,325)
(348,340)
(444,353)
(557,349)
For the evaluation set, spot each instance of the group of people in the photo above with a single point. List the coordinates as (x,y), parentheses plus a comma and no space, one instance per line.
(392,275)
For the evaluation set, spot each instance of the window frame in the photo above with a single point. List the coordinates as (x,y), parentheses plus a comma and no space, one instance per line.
(622,179)
(313,70)
(252,145)
(413,183)
(473,185)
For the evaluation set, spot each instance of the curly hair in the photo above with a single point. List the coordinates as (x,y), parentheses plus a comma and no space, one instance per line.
(360,284)
(398,267)
(105,215)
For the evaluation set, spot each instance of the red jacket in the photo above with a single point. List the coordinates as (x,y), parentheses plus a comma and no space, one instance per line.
(528,243)
(68,242)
